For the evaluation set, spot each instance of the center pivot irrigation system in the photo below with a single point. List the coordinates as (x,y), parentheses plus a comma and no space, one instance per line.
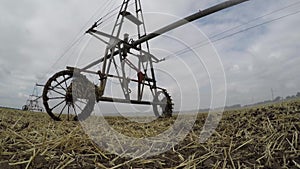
(70,95)
(32,103)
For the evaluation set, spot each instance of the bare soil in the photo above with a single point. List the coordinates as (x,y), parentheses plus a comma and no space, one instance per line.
(261,137)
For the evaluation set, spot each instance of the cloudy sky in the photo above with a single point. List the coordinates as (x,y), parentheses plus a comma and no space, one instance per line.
(257,56)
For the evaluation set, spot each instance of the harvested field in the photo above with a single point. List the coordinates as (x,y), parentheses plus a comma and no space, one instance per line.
(262,137)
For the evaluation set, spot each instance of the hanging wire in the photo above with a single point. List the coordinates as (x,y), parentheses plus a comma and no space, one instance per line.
(255,19)
(77,41)
(103,20)
(207,42)
(203,43)
(112,13)
(79,37)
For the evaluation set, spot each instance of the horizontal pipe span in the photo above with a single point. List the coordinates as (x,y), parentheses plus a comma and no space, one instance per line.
(188,19)
(175,25)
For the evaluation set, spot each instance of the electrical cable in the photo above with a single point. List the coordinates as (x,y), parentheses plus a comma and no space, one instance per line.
(197,45)
(103,19)
(68,49)
(113,14)
(79,37)
(255,19)
(264,23)
(204,43)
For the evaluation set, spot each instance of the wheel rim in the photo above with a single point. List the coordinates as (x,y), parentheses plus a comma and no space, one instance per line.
(162,104)
(59,100)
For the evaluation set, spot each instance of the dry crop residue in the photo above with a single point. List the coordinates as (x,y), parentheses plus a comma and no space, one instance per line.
(261,137)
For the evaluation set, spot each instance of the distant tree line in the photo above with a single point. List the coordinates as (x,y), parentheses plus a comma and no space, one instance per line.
(293,96)
(237,106)
(277,99)
(3,107)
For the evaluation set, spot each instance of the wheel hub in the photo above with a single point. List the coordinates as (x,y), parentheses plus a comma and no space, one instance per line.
(69,97)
